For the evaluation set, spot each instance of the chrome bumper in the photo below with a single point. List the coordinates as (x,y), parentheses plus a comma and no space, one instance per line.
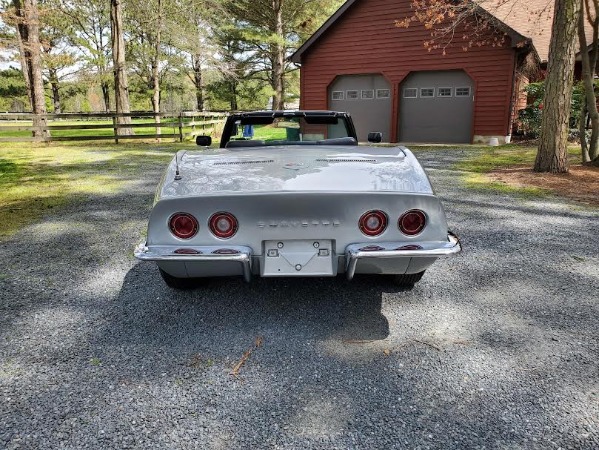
(240,254)
(356,252)
(353,253)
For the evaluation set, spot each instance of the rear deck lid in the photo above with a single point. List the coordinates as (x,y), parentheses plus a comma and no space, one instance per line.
(296,169)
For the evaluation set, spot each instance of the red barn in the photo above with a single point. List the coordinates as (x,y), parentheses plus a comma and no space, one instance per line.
(360,61)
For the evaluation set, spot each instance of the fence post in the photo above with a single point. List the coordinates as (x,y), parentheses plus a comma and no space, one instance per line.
(181,126)
(116,130)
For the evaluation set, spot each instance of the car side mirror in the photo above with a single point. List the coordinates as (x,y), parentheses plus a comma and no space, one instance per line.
(204,141)
(375,137)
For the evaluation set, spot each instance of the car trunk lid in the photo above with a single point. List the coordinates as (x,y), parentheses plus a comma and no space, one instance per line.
(296,169)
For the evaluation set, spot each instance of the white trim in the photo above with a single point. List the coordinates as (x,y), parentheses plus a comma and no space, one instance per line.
(444,96)
(348,97)
(337,92)
(388,93)
(367,90)
(410,89)
(427,89)
(463,87)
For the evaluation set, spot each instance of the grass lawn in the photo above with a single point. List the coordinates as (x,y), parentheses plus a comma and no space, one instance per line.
(35,178)
(509,169)
(478,167)
(481,163)
(173,128)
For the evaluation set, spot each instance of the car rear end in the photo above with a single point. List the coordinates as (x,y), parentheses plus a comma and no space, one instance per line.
(275,234)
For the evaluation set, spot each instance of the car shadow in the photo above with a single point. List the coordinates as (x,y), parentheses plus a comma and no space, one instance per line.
(327,308)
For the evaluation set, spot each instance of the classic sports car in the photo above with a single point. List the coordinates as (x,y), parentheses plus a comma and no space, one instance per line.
(292,194)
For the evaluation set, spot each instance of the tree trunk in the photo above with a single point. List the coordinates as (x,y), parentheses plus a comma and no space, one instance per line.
(593,18)
(121,84)
(106,95)
(582,129)
(23,41)
(156,70)
(30,54)
(53,79)
(198,81)
(278,58)
(552,155)
(589,91)
(233,92)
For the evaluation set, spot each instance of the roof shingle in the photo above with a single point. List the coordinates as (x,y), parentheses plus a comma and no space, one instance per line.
(530,18)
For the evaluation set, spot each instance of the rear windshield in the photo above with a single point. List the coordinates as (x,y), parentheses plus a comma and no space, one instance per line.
(290,130)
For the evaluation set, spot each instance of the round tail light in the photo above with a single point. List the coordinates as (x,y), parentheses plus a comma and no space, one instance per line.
(183,225)
(373,223)
(412,222)
(223,225)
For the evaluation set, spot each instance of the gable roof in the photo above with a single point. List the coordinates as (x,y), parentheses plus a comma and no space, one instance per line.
(523,21)
(532,18)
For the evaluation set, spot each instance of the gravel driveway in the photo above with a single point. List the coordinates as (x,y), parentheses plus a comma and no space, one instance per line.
(497,348)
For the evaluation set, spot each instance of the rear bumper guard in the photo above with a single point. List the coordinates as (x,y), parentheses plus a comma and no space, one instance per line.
(240,254)
(356,252)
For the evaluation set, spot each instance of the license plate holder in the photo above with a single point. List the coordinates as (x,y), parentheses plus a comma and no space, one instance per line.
(298,258)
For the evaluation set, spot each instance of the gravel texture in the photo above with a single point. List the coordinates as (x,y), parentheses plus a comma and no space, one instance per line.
(497,348)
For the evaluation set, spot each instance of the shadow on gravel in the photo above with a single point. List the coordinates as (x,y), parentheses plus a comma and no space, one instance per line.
(326,307)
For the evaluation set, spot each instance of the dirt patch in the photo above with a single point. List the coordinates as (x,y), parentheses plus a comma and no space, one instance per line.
(580,184)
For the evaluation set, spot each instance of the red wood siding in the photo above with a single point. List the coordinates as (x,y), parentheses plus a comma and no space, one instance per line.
(366,40)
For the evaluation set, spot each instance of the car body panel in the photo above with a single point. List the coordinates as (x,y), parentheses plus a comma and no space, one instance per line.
(295,169)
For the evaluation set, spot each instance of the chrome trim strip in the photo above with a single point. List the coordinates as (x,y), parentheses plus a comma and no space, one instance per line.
(167,253)
(429,249)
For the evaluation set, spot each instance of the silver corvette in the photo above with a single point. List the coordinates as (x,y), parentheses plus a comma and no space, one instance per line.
(291,194)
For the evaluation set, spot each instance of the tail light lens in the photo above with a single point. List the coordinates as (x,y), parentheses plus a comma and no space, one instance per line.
(373,223)
(183,225)
(412,222)
(223,225)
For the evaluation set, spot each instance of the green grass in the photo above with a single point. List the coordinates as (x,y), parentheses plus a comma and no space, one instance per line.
(36,178)
(490,158)
(486,159)
(267,132)
(108,132)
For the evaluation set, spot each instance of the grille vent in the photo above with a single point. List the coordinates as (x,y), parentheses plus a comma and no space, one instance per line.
(237,163)
(335,160)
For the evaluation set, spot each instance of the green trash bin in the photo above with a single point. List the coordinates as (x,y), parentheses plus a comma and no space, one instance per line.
(293,134)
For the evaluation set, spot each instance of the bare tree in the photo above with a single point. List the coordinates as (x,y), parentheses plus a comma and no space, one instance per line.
(121,84)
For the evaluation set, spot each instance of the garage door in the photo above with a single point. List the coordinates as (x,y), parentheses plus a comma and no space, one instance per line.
(436,106)
(368,99)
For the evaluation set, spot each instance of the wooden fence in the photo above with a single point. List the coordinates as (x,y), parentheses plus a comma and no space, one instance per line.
(178,126)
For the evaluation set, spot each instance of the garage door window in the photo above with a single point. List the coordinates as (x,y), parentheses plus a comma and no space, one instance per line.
(410,93)
(353,95)
(383,93)
(367,95)
(427,92)
(444,92)
(462,92)
(338,95)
